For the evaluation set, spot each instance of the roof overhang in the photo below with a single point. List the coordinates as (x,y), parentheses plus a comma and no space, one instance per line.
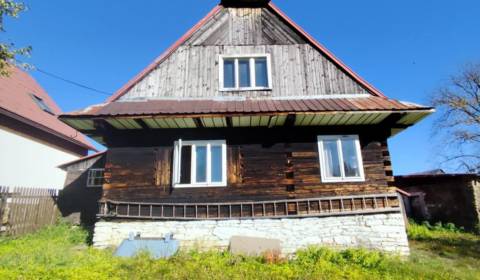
(267,113)
(53,132)
(395,120)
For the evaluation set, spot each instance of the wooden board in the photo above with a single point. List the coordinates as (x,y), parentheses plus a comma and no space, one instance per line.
(262,164)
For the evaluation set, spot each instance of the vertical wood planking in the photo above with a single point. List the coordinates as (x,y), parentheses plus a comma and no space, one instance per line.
(25,210)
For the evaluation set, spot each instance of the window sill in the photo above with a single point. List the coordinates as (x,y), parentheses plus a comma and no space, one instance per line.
(185,186)
(347,180)
(244,89)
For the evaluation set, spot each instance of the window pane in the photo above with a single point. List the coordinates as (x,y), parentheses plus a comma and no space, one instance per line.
(332,162)
(229,73)
(185,165)
(261,74)
(244,68)
(216,154)
(350,158)
(201,164)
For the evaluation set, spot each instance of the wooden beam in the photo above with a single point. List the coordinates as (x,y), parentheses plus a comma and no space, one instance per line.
(290,120)
(198,122)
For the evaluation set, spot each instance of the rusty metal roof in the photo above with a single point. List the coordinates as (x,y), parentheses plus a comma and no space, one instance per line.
(200,107)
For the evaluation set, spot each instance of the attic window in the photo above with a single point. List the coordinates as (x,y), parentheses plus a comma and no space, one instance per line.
(245,72)
(40,103)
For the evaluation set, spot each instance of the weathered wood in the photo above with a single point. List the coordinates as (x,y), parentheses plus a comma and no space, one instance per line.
(25,210)
(259,209)
(297,70)
(261,164)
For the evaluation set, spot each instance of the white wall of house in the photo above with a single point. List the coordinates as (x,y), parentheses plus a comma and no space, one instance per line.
(27,162)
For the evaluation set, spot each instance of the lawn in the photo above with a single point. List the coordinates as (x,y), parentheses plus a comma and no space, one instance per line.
(60,252)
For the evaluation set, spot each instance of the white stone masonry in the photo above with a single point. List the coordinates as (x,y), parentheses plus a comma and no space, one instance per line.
(384,232)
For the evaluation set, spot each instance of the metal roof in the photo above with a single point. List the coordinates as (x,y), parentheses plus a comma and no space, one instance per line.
(248,106)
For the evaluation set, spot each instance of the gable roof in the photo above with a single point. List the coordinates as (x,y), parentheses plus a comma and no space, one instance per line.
(21,98)
(274,9)
(64,166)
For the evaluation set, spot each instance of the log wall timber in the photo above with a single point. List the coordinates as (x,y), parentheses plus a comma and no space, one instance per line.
(192,71)
(262,165)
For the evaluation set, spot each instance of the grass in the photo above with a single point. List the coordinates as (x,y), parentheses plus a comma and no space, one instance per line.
(60,252)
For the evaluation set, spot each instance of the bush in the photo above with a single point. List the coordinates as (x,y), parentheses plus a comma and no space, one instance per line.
(426,231)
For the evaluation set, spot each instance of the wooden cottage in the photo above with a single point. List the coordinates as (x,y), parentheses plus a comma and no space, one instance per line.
(249,126)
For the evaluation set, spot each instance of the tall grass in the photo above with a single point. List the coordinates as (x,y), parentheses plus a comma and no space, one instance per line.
(60,252)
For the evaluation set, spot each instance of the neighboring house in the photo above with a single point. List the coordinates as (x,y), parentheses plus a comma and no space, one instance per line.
(83,188)
(33,141)
(440,197)
(248,126)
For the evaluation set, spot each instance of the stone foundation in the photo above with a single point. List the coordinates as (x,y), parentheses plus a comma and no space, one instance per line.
(384,232)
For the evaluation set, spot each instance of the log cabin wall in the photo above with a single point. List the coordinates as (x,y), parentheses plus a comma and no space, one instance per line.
(192,71)
(262,164)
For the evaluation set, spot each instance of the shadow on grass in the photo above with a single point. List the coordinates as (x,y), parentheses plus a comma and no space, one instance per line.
(450,247)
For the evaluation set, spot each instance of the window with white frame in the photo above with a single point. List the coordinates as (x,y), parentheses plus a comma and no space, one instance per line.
(95,177)
(200,164)
(340,158)
(247,72)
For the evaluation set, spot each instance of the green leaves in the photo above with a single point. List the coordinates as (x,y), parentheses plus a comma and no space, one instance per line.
(8,52)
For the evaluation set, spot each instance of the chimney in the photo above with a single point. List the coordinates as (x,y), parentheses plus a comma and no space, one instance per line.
(244,3)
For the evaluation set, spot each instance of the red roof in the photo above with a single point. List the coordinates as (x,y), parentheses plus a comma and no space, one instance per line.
(211,14)
(178,107)
(16,100)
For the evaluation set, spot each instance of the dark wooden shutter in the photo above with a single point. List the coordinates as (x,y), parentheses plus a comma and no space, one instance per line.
(234,165)
(163,167)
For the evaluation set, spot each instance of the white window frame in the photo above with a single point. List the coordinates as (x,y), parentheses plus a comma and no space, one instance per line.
(323,161)
(251,58)
(177,155)
(89,177)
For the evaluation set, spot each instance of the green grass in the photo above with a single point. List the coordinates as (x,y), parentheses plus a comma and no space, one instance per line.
(60,252)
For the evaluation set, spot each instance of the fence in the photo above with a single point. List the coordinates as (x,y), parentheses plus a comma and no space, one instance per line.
(25,210)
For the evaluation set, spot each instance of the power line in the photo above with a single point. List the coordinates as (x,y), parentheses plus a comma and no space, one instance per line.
(72,82)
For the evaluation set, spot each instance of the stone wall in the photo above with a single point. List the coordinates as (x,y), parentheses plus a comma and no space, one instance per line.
(377,231)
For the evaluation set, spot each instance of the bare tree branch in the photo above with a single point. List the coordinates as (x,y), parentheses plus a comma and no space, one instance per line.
(458,122)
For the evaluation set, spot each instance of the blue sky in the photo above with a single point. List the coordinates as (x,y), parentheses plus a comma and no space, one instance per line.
(405,48)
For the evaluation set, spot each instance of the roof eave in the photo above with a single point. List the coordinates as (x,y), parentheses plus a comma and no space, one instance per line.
(46,129)
(65,165)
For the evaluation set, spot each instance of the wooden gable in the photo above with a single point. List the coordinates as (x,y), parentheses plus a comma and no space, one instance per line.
(244,27)
(191,68)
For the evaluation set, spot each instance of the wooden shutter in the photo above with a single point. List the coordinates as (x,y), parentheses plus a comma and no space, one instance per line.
(163,167)
(234,165)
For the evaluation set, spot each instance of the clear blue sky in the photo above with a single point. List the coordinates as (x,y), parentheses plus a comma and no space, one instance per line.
(405,48)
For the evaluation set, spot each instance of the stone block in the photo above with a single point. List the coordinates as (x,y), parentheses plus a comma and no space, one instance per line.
(254,246)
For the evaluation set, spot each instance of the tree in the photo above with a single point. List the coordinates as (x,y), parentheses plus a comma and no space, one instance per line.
(458,104)
(8,52)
